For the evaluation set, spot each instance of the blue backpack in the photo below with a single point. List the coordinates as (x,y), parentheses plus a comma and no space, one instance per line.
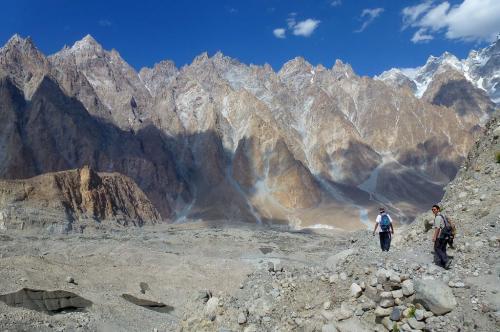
(385,223)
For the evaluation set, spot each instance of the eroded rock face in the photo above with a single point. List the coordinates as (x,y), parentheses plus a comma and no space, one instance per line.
(75,198)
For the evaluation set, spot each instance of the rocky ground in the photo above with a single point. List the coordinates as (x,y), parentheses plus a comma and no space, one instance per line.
(202,276)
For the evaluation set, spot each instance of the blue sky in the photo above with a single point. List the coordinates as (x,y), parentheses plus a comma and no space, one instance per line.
(371,35)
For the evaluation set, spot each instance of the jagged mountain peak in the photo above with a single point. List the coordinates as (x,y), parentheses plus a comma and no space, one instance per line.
(16,39)
(19,43)
(88,40)
(86,45)
(296,63)
(341,69)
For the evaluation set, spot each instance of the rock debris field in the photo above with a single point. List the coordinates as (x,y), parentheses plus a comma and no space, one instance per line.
(202,277)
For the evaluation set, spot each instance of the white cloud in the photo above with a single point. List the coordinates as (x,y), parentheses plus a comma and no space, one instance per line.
(305,28)
(336,3)
(411,14)
(291,22)
(369,15)
(471,20)
(105,23)
(279,33)
(421,37)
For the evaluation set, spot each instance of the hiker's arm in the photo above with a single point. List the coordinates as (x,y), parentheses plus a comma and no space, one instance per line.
(436,234)
(376,225)
(392,228)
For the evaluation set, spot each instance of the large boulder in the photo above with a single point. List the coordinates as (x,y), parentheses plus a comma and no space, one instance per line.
(435,296)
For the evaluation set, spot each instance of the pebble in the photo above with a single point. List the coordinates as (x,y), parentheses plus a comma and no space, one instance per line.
(395,314)
(386,303)
(419,314)
(382,312)
(242,318)
(416,324)
(356,290)
(397,294)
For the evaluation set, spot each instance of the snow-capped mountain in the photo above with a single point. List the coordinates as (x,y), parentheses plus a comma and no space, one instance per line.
(481,68)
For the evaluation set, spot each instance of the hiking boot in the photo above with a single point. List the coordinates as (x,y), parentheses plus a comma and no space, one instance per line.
(448,264)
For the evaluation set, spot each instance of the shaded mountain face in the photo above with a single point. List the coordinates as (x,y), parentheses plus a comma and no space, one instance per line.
(223,140)
(52,132)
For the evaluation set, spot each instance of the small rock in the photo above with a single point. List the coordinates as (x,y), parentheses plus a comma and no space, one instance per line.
(407,287)
(334,278)
(70,280)
(428,314)
(343,276)
(416,324)
(388,323)
(396,314)
(394,277)
(345,312)
(211,308)
(356,290)
(382,312)
(382,276)
(242,318)
(386,303)
(386,295)
(419,314)
(397,294)
(327,305)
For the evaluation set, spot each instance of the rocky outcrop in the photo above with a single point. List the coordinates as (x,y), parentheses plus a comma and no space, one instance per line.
(73,200)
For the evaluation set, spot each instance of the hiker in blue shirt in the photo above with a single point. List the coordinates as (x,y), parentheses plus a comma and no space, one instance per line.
(384,223)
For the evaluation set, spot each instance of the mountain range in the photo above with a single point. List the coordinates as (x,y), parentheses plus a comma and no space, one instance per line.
(219,139)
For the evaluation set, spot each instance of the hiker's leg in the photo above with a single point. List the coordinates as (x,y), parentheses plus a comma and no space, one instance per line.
(444,258)
(381,236)
(385,242)
(389,238)
(437,257)
(440,249)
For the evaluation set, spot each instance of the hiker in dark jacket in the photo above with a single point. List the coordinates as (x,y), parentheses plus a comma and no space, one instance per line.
(384,223)
(440,238)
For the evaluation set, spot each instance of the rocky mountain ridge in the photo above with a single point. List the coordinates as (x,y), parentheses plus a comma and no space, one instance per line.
(297,146)
(480,68)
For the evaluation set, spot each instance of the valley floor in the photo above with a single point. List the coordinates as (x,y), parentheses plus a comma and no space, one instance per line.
(255,279)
